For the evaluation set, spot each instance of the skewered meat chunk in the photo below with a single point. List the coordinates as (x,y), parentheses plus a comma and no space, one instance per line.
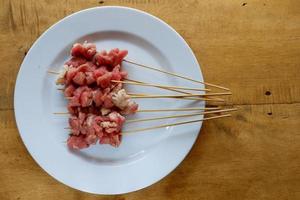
(112,58)
(85,50)
(87,129)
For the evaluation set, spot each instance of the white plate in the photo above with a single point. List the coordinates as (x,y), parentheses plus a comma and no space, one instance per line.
(143,158)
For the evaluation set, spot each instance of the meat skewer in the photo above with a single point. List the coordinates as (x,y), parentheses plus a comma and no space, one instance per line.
(188,96)
(183,97)
(86,129)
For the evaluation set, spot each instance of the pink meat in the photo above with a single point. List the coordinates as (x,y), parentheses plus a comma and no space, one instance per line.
(77,142)
(82,96)
(86,98)
(131,108)
(84,68)
(100,71)
(90,78)
(81,89)
(69,90)
(91,65)
(97,97)
(107,102)
(102,58)
(72,110)
(76,61)
(79,78)
(104,140)
(85,50)
(74,101)
(71,73)
(88,129)
(105,80)
(107,98)
(115,140)
(117,69)
(113,58)
(75,125)
(118,55)
(91,139)
(116,75)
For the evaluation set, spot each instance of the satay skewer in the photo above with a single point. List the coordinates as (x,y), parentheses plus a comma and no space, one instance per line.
(182,97)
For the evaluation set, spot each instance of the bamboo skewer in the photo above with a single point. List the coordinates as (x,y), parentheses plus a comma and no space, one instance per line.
(134,95)
(161,86)
(52,72)
(177,75)
(61,113)
(179,116)
(173,124)
(178,109)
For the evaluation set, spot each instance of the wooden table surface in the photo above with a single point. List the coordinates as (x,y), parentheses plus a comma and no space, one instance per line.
(250,46)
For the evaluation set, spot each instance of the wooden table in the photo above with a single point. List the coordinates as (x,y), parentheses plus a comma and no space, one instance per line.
(252,47)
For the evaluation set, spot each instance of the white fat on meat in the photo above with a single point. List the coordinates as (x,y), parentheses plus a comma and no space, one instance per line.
(108,124)
(61,75)
(90,120)
(121,99)
(105,111)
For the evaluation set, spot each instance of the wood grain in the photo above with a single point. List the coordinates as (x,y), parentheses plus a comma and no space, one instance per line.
(252,47)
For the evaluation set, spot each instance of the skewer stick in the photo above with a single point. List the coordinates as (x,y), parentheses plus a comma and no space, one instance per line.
(61,113)
(178,109)
(179,116)
(161,86)
(182,98)
(179,91)
(173,124)
(52,72)
(134,95)
(177,75)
